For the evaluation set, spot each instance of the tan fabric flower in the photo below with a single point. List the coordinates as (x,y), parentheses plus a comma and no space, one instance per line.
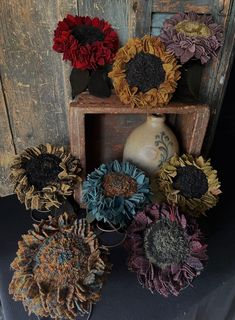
(59,269)
(43,176)
(191,183)
(157,72)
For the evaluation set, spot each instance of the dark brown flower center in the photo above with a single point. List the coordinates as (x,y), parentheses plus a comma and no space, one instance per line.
(193,28)
(61,259)
(119,184)
(42,170)
(87,34)
(145,71)
(191,181)
(165,244)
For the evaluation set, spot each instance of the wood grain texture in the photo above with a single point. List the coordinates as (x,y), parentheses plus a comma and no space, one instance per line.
(114,11)
(217,72)
(140,16)
(35,79)
(173,6)
(7,149)
(157,22)
(91,104)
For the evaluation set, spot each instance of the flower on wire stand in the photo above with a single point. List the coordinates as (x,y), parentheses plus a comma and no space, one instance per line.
(113,192)
(90,44)
(165,249)
(190,183)
(59,268)
(44,176)
(144,74)
(192,36)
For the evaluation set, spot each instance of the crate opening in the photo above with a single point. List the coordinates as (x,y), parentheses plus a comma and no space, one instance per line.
(105,136)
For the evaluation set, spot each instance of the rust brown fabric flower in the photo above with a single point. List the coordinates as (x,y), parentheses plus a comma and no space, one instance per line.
(44,175)
(59,269)
(144,74)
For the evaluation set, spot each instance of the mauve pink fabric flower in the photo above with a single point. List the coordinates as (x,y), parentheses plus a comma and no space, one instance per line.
(165,249)
(185,46)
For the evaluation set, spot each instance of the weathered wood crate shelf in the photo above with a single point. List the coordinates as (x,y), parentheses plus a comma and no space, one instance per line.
(99,127)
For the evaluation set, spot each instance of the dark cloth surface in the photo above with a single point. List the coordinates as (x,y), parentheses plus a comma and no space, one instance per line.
(212,295)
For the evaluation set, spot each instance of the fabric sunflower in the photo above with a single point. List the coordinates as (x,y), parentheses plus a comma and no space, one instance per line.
(165,249)
(43,176)
(87,42)
(144,74)
(59,269)
(192,36)
(114,191)
(191,183)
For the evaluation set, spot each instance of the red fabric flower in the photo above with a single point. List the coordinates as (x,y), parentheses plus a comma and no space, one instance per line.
(86,42)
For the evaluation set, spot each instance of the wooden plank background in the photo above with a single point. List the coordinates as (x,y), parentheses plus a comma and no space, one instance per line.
(35,90)
(114,11)
(7,148)
(34,77)
(173,6)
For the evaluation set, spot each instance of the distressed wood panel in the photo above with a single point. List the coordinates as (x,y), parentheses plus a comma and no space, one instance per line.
(199,6)
(140,16)
(216,74)
(157,22)
(114,11)
(7,150)
(35,79)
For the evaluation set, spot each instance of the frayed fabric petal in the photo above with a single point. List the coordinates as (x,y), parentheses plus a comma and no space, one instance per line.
(44,175)
(165,248)
(192,36)
(87,42)
(114,191)
(144,74)
(59,269)
(190,183)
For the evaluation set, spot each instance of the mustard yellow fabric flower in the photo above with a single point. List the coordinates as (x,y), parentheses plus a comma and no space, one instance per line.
(144,74)
(191,183)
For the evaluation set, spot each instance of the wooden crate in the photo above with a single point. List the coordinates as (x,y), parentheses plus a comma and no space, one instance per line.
(99,127)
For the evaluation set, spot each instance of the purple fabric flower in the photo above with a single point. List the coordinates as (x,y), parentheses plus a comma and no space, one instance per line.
(191,36)
(165,249)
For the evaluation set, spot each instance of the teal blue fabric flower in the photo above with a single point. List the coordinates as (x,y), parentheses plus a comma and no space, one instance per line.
(115,191)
